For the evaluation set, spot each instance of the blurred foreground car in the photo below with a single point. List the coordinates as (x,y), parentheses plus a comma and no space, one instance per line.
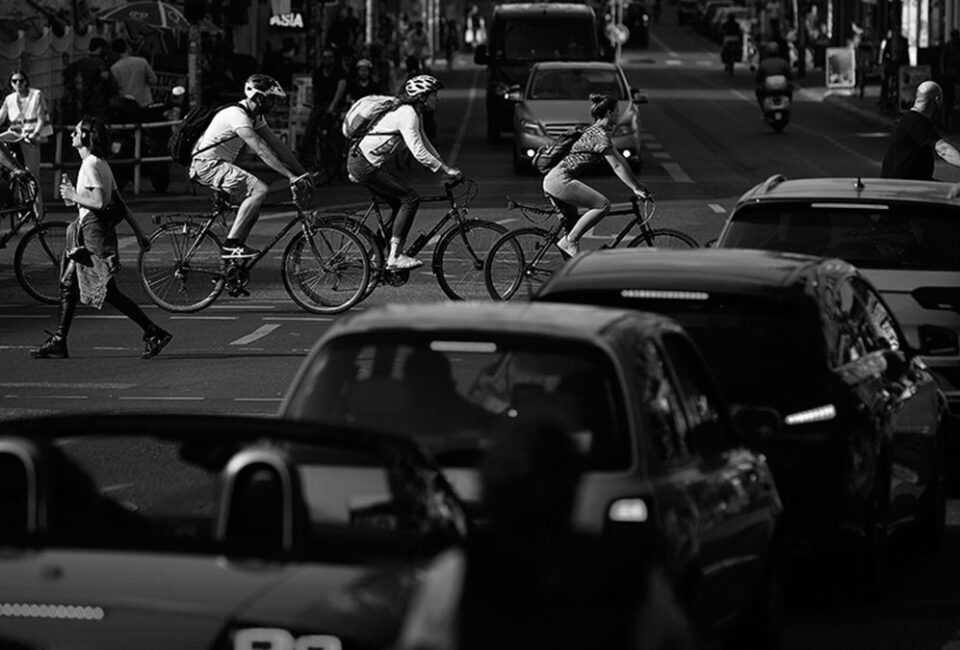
(212,532)
(860,453)
(662,454)
(555,99)
(903,235)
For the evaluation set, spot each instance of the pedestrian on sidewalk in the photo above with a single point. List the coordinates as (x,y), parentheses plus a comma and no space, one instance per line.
(910,153)
(893,54)
(90,260)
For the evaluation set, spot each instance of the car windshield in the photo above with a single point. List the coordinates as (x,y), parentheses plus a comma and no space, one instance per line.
(453,395)
(895,236)
(537,40)
(575,84)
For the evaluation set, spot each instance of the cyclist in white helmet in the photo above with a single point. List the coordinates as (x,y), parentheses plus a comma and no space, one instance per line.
(214,164)
(366,162)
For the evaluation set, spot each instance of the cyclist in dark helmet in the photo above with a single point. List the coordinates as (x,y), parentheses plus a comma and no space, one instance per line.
(366,163)
(216,151)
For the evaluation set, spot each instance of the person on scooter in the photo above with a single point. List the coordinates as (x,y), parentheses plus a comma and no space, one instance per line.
(771,65)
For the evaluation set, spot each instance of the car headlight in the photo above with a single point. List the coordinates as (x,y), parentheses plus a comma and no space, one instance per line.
(270,638)
(530,126)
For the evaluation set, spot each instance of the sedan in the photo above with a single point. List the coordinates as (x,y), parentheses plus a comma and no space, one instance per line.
(860,453)
(159,531)
(555,99)
(663,457)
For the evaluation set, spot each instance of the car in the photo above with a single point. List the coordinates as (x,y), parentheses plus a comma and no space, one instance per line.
(859,455)
(663,454)
(522,34)
(903,235)
(151,531)
(636,18)
(555,99)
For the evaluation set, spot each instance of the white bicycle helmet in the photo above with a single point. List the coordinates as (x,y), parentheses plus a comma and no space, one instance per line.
(364,63)
(422,85)
(261,85)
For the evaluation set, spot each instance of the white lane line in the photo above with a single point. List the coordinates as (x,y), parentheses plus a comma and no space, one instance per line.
(74,386)
(257,399)
(663,46)
(461,133)
(66,397)
(153,398)
(204,317)
(320,319)
(743,96)
(673,62)
(716,207)
(255,335)
(660,155)
(676,173)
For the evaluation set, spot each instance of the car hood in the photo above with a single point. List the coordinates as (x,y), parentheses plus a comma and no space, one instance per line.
(558,110)
(95,599)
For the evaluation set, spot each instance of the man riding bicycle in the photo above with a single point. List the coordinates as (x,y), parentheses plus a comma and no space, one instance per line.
(214,163)
(366,163)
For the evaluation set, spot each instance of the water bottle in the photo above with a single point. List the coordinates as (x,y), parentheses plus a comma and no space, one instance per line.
(65,180)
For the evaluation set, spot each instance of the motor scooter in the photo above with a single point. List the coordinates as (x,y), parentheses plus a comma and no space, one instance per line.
(777,99)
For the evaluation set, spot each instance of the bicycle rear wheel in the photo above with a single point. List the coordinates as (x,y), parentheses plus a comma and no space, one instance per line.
(181,273)
(523,258)
(36,262)
(459,258)
(663,238)
(373,245)
(328,272)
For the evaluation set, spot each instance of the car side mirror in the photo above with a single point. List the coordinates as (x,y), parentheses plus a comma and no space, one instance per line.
(513,94)
(758,422)
(638,97)
(480,55)
(937,341)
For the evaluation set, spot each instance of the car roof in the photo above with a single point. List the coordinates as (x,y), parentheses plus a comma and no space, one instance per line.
(495,318)
(850,189)
(575,65)
(703,269)
(532,8)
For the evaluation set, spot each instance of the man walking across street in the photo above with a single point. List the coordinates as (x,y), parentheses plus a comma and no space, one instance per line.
(915,140)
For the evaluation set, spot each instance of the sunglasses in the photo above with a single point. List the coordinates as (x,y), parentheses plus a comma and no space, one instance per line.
(18,80)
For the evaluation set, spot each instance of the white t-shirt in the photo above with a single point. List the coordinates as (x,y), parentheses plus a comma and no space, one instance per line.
(223,126)
(401,125)
(95,172)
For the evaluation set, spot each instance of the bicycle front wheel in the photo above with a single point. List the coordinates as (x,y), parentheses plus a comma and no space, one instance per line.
(460,255)
(182,272)
(663,238)
(36,262)
(327,272)
(373,245)
(521,259)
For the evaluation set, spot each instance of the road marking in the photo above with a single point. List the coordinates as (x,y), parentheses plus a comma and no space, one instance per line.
(676,173)
(204,317)
(22,316)
(104,317)
(256,334)
(743,96)
(716,207)
(149,398)
(248,306)
(66,397)
(663,46)
(75,386)
(653,146)
(839,145)
(465,120)
(321,319)
(660,155)
(673,62)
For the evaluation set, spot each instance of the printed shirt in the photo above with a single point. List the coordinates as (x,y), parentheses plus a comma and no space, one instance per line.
(400,126)
(223,129)
(587,151)
(95,172)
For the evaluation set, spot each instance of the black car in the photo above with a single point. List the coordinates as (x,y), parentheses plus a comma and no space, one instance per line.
(859,454)
(636,17)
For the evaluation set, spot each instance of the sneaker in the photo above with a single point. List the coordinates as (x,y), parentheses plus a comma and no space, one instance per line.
(53,348)
(571,248)
(403,263)
(154,342)
(240,252)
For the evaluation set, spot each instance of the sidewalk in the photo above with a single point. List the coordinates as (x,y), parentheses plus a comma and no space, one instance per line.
(814,87)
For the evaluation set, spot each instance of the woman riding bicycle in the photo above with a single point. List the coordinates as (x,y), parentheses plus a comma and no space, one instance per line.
(569,193)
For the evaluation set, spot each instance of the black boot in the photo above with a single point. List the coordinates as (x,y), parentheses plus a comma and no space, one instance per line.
(154,341)
(54,347)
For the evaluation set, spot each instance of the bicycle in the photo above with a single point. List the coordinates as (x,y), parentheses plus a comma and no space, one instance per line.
(330,151)
(324,267)
(36,260)
(458,257)
(530,255)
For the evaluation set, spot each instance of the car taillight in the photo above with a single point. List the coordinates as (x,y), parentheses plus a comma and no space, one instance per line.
(818,414)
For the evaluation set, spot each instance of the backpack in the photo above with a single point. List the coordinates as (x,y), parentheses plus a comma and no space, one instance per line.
(549,155)
(364,114)
(191,128)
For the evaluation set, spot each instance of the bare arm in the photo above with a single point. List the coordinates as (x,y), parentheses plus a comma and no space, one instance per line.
(948,152)
(622,169)
(93,198)
(260,147)
(284,152)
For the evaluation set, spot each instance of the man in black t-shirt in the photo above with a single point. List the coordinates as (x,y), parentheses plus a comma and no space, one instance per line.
(914,141)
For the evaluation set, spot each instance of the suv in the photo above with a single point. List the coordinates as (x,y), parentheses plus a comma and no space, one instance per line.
(664,461)
(522,34)
(903,235)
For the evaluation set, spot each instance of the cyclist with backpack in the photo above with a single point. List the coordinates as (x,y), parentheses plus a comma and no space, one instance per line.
(215,153)
(569,193)
(379,140)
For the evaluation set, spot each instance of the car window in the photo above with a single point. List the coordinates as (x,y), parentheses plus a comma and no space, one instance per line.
(537,39)
(854,333)
(664,417)
(895,236)
(453,396)
(575,84)
(699,400)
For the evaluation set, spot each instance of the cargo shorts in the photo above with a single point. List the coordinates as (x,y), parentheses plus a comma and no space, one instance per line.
(220,175)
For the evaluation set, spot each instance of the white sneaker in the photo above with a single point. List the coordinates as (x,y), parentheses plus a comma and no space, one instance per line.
(403,263)
(571,248)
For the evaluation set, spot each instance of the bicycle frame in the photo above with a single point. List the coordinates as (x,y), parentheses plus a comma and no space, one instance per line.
(639,219)
(25,214)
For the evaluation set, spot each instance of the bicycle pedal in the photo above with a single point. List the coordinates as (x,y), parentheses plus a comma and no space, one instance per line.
(239,293)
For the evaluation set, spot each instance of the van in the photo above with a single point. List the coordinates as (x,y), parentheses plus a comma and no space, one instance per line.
(522,34)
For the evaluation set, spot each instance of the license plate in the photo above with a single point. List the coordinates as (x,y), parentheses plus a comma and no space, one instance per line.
(778,115)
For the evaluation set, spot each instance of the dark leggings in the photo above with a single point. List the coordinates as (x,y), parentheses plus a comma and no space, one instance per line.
(70,296)
(392,188)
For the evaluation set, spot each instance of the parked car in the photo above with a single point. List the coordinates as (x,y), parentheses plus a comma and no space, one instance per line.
(903,235)
(860,452)
(158,531)
(636,18)
(522,34)
(662,453)
(555,99)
